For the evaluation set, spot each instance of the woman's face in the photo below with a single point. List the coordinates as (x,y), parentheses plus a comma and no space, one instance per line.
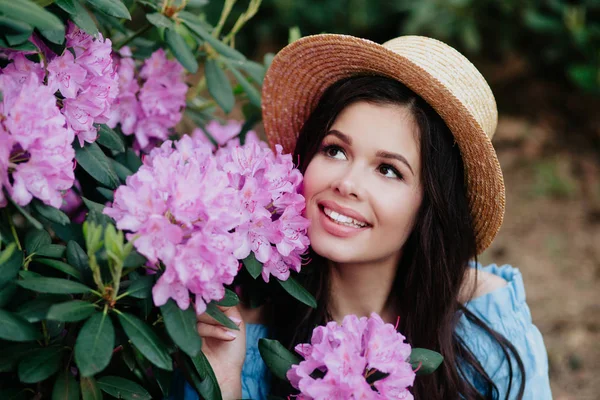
(363,187)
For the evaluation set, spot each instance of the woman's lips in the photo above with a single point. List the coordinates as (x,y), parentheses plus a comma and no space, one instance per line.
(336,229)
(332,205)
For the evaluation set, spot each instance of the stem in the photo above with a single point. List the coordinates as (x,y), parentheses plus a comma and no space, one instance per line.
(12,229)
(121,296)
(133,36)
(241,21)
(97,293)
(45,331)
(224,14)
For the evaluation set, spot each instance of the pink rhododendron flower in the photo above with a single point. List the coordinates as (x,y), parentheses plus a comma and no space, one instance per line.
(198,212)
(36,156)
(363,358)
(149,111)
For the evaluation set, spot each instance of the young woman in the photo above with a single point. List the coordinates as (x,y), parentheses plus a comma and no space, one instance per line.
(403,190)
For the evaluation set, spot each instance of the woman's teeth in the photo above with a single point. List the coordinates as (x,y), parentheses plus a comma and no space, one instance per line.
(343,219)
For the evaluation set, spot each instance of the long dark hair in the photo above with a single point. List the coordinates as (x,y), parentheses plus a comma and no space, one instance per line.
(435,259)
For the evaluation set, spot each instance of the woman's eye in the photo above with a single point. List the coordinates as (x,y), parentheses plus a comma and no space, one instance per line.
(334,152)
(389,172)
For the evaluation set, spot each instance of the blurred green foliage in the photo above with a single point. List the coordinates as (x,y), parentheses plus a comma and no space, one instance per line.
(560,39)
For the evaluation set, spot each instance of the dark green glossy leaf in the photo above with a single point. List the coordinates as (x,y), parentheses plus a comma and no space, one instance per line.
(67,5)
(79,259)
(220,317)
(11,26)
(218,85)
(37,309)
(36,239)
(71,311)
(253,266)
(141,288)
(61,266)
(278,358)
(30,13)
(13,353)
(52,251)
(146,341)
(122,388)
(53,285)
(209,386)
(181,326)
(255,70)
(94,162)
(16,39)
(15,328)
(160,21)
(110,139)
(114,8)
(134,260)
(229,300)
(6,293)
(122,171)
(181,50)
(252,93)
(164,380)
(82,19)
(65,387)
(192,22)
(90,389)
(50,213)
(39,365)
(107,193)
(94,345)
(27,46)
(298,292)
(36,224)
(10,268)
(427,361)
(54,35)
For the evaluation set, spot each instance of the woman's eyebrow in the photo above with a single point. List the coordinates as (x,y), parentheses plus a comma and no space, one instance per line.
(383,154)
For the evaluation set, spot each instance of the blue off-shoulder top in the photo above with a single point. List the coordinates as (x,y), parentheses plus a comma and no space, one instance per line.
(504,310)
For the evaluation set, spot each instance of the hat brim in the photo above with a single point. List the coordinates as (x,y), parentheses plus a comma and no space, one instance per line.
(302,71)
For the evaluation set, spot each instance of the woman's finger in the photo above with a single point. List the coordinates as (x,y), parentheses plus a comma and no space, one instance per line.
(214,331)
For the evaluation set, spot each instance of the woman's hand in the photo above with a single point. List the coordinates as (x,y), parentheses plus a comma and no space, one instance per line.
(225,349)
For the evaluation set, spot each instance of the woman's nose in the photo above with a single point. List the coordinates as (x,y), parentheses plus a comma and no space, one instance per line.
(349,184)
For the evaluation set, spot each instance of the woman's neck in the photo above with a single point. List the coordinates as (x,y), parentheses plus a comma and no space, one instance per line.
(362,289)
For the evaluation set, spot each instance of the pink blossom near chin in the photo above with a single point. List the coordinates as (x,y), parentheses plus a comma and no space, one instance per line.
(66,76)
(346,354)
(21,68)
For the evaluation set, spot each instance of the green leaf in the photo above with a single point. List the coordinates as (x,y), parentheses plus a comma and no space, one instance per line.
(39,365)
(141,288)
(298,292)
(229,300)
(53,285)
(13,353)
(7,253)
(122,388)
(29,12)
(10,268)
(71,311)
(94,162)
(35,239)
(7,293)
(37,309)
(27,46)
(107,193)
(15,328)
(67,5)
(94,345)
(65,387)
(130,160)
(220,317)
(90,389)
(50,213)
(54,35)
(110,139)
(253,266)
(160,21)
(181,50)
(79,259)
(122,171)
(192,22)
(255,70)
(278,358)
(36,224)
(252,93)
(146,341)
(60,266)
(114,8)
(181,326)
(13,27)
(134,260)
(82,19)
(52,251)
(164,380)
(219,86)
(209,386)
(17,38)
(428,360)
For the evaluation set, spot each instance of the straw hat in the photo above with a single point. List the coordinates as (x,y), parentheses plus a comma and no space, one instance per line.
(443,77)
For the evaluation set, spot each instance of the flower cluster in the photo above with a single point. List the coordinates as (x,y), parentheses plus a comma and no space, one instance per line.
(200,212)
(363,358)
(36,156)
(151,110)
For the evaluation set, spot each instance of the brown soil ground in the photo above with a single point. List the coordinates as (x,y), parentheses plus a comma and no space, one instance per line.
(551,233)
